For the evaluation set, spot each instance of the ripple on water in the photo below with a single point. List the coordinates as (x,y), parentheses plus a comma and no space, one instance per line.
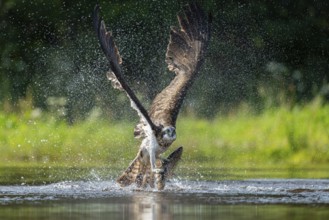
(259,191)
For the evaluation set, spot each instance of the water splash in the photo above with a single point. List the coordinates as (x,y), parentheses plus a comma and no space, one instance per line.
(259,191)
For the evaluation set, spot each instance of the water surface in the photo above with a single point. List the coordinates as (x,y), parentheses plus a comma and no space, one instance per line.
(181,199)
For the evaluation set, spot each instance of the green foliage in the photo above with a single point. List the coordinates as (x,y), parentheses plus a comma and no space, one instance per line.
(47,140)
(261,53)
(278,137)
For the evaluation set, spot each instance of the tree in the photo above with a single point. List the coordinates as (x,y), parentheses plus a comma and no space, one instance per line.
(259,51)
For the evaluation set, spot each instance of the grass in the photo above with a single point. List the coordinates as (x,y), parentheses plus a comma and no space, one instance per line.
(278,137)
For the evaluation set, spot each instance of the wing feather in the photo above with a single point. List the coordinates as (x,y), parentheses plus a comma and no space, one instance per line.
(185,55)
(112,53)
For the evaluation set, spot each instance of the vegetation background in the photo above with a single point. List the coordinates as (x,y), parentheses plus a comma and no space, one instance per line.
(261,99)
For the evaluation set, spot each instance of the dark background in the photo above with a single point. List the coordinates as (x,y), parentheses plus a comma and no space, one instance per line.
(262,54)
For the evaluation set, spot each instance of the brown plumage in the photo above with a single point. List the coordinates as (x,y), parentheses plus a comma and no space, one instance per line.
(139,171)
(185,55)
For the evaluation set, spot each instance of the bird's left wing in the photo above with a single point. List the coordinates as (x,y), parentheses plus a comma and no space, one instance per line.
(185,55)
(112,54)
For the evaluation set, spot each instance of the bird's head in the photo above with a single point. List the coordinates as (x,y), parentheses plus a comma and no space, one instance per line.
(168,134)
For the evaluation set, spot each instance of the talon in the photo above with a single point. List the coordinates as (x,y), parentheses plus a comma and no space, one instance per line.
(158,171)
(158,163)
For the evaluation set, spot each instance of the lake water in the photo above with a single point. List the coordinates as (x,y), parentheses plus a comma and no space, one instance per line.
(80,193)
(181,199)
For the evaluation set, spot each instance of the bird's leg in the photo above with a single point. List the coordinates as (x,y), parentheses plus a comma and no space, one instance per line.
(160,177)
(151,147)
(155,169)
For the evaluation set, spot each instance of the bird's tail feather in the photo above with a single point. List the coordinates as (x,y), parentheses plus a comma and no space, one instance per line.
(170,163)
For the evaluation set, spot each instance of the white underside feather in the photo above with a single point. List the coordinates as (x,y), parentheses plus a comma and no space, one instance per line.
(149,143)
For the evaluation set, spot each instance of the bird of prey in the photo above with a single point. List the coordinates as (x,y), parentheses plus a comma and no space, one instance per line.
(157,127)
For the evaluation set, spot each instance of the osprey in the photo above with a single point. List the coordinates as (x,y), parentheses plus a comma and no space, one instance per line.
(157,127)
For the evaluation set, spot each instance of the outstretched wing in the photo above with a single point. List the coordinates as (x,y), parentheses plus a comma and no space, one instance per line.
(112,53)
(185,54)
